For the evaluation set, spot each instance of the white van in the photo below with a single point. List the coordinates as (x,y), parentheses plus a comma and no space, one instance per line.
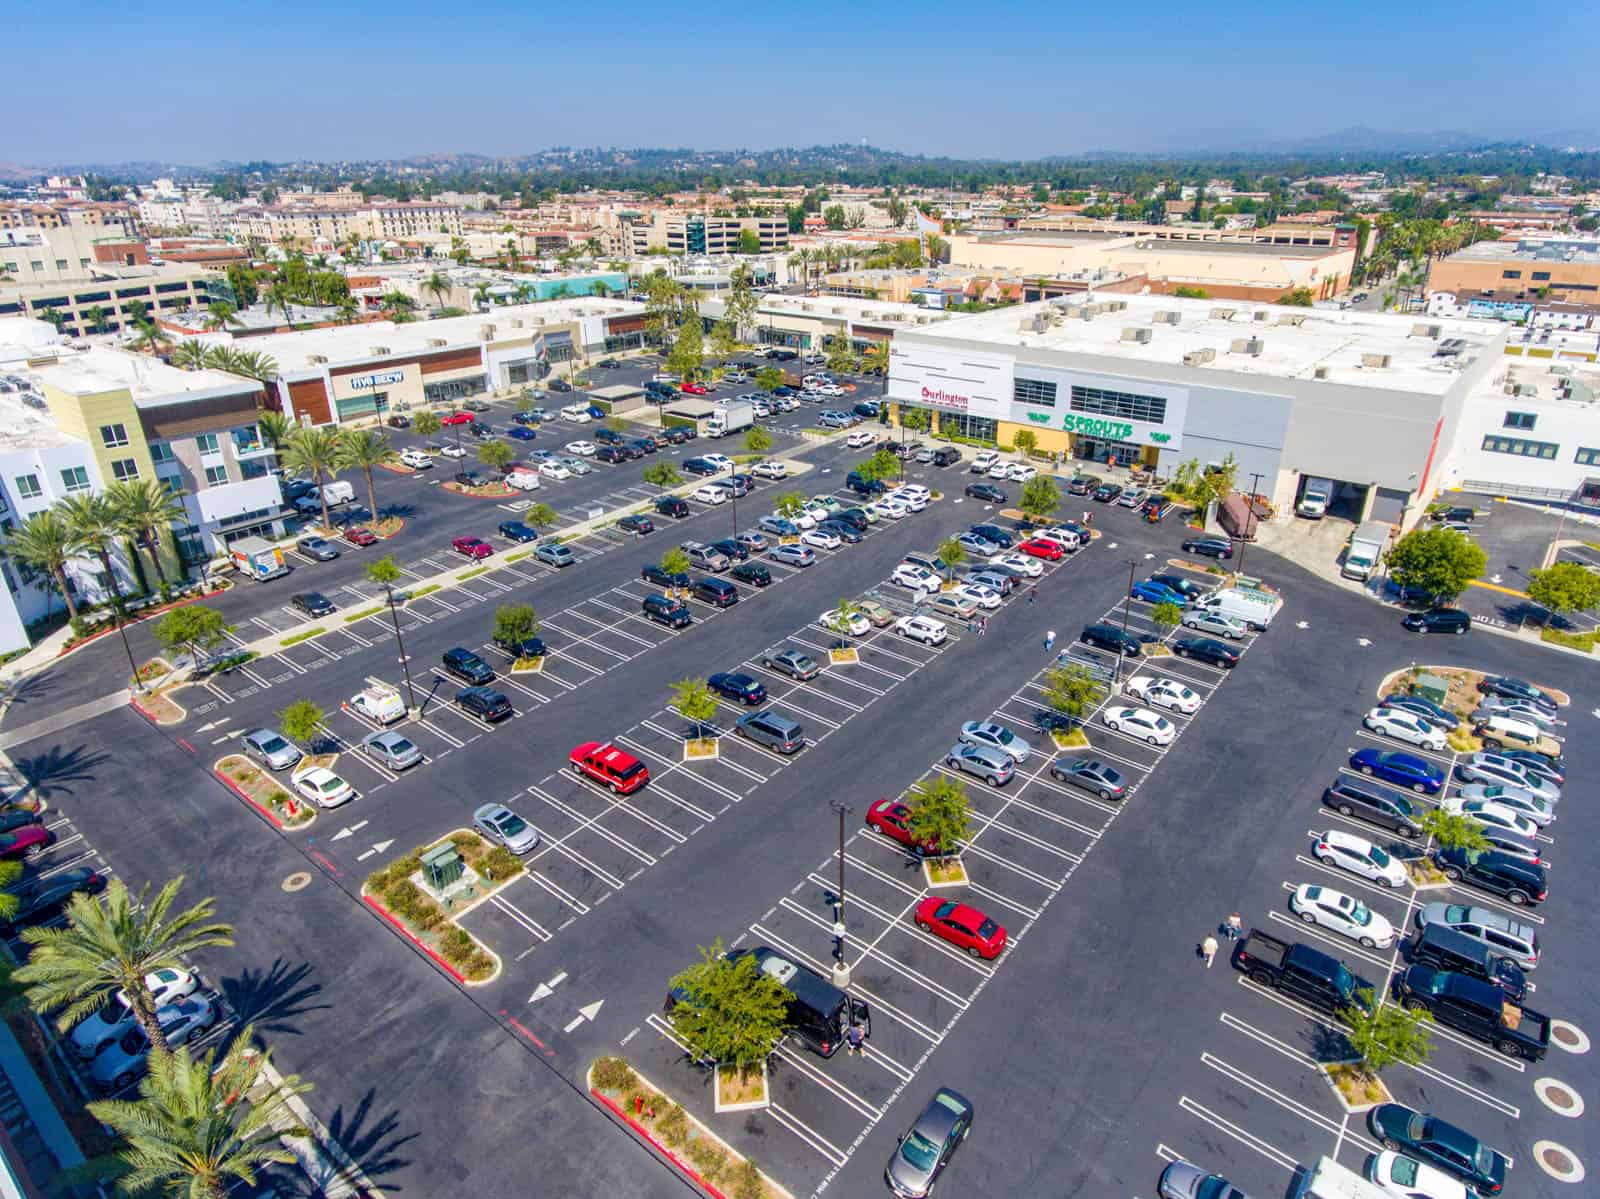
(1255,608)
(338,492)
(576,413)
(523,478)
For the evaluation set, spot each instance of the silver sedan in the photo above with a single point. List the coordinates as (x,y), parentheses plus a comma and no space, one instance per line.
(996,736)
(504,827)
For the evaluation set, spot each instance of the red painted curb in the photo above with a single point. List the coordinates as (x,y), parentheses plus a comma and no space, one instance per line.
(670,1155)
(397,532)
(143,615)
(237,790)
(142,710)
(412,937)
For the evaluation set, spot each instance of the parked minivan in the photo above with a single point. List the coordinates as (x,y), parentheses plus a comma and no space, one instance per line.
(705,557)
(716,591)
(1443,948)
(772,729)
(1500,933)
(667,611)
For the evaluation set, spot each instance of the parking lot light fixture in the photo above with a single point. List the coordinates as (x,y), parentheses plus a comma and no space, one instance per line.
(841,968)
(1127,602)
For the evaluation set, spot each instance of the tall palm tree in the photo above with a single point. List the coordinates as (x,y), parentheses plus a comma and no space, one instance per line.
(146,507)
(481,294)
(224,358)
(149,339)
(96,316)
(364,449)
(592,247)
(111,943)
(280,296)
(436,285)
(191,355)
(220,315)
(274,428)
(52,316)
(44,542)
(95,528)
(200,1127)
(255,365)
(346,310)
(316,452)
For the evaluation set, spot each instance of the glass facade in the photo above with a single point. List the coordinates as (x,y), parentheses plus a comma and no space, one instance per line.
(1521,447)
(1034,392)
(455,389)
(960,424)
(1097,401)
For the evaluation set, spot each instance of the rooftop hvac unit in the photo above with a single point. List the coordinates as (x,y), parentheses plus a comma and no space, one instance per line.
(378,351)
(1166,317)
(1319,372)
(486,332)
(1293,319)
(1376,361)
(516,322)
(1223,314)
(1560,368)
(1248,345)
(316,359)
(1116,305)
(436,343)
(1426,330)
(1089,311)
(1261,314)
(1526,389)
(1142,336)
(1199,357)
(1450,347)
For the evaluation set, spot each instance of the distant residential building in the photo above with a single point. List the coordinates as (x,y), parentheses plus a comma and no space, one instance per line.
(162,290)
(699,234)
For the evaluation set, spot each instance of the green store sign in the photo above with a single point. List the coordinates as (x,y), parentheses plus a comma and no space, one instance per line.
(1097,426)
(1039,418)
(1161,438)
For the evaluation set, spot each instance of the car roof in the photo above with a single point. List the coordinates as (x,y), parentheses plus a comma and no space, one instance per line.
(1347,840)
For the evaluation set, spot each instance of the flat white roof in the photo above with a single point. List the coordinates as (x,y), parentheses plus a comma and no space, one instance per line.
(848,308)
(1308,339)
(148,380)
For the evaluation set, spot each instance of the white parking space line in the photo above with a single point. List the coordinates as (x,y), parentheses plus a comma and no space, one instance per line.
(520,917)
(593,824)
(569,900)
(878,1002)
(1248,1139)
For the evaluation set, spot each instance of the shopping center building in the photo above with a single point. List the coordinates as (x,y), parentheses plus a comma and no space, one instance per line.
(1371,401)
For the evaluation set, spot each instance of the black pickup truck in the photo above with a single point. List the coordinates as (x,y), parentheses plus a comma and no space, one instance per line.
(1477,1008)
(1301,971)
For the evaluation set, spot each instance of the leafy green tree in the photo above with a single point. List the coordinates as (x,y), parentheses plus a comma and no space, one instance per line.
(769,378)
(790,504)
(834,215)
(110,943)
(200,1127)
(44,542)
(724,343)
(730,1013)
(953,554)
(1191,293)
(426,424)
(1040,497)
(365,450)
(662,474)
(301,721)
(194,627)
(1451,830)
(515,623)
(918,420)
(1166,614)
(694,700)
(496,455)
(385,571)
(1025,441)
(1383,1035)
(1436,562)
(1564,587)
(318,453)
(675,562)
(1072,690)
(940,813)
(541,516)
(839,618)
(883,465)
(749,242)
(757,440)
(1297,297)
(842,356)
(688,348)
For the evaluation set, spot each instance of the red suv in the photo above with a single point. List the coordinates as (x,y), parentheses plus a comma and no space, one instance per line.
(893,819)
(694,389)
(609,766)
(472,547)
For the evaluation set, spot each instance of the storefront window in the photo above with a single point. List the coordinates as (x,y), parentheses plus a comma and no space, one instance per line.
(368,403)
(455,389)
(959,424)
(624,341)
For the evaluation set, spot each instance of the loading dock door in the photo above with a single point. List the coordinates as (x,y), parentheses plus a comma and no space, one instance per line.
(1388,504)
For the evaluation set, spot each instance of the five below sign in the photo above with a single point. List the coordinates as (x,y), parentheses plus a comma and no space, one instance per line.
(367,382)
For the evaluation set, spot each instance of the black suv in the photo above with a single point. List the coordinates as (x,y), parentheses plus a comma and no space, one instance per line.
(1373,803)
(671,505)
(1520,882)
(650,572)
(484,702)
(1438,620)
(995,534)
(1106,492)
(753,573)
(1112,638)
(611,453)
(861,486)
(467,666)
(735,551)
(608,437)
(666,611)
(946,456)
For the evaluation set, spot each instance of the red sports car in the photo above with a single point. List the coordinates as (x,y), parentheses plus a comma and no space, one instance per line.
(609,766)
(694,389)
(25,842)
(361,536)
(1042,547)
(964,927)
(456,418)
(892,818)
(472,547)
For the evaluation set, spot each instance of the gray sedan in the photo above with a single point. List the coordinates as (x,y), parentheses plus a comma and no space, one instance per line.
(996,736)
(553,553)
(989,764)
(924,1151)
(504,827)
(271,748)
(392,750)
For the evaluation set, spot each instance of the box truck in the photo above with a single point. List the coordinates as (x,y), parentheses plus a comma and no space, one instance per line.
(1366,550)
(257,558)
(1315,497)
(732,417)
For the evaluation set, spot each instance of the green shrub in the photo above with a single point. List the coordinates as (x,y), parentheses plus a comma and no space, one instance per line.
(708,1158)
(746,1181)
(405,898)
(457,945)
(427,917)
(466,842)
(674,1126)
(614,1074)
(499,863)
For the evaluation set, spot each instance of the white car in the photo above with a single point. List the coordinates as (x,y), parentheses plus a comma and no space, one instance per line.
(1519,799)
(1164,693)
(820,539)
(578,414)
(1349,917)
(855,624)
(922,628)
(721,461)
(523,480)
(986,598)
(816,512)
(115,1016)
(453,451)
(122,1062)
(1065,538)
(1360,857)
(915,490)
(983,460)
(1000,470)
(551,469)
(1140,722)
(1495,815)
(323,788)
(893,509)
(379,703)
(860,437)
(710,493)
(584,449)
(1215,623)
(1403,726)
(916,578)
(914,501)
(1029,566)
(770,470)
(416,459)
(1406,1178)
(831,389)
(1020,472)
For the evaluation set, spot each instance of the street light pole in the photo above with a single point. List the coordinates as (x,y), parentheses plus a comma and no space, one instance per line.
(122,631)
(1249,518)
(733,494)
(1127,602)
(841,968)
(405,662)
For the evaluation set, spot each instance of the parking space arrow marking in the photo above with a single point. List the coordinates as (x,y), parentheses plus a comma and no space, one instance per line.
(1494,578)
(346,832)
(1302,624)
(542,990)
(1362,641)
(1112,546)
(1147,557)
(213,724)
(587,1012)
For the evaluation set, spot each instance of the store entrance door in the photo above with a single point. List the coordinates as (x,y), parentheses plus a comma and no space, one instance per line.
(1103,449)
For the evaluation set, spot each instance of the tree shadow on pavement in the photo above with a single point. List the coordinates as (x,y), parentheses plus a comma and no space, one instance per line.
(53,772)
(1326,1044)
(373,1144)
(273,1000)
(29,689)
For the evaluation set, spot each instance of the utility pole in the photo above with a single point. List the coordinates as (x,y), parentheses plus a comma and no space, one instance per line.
(1127,602)
(1249,519)
(841,968)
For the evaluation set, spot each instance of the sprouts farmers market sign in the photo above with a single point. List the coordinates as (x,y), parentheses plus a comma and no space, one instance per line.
(1137,432)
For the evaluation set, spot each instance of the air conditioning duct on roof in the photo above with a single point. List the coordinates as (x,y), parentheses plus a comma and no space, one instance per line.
(1199,357)
(1319,372)
(1293,319)
(486,332)
(1223,314)
(316,359)
(1142,336)
(436,342)
(1376,361)
(1426,330)
(378,351)
(1261,314)
(1247,345)
(1167,317)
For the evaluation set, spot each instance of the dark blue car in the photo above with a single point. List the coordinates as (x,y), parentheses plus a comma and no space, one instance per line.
(1157,593)
(1397,766)
(521,433)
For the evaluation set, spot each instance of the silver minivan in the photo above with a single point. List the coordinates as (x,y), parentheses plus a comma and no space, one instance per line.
(1508,937)
(705,557)
(271,748)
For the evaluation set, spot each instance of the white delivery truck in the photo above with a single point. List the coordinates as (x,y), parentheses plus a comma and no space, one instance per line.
(732,417)
(1366,550)
(338,492)
(1329,1180)
(1315,497)
(1255,607)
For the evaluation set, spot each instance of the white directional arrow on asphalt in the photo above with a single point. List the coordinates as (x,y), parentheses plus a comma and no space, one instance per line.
(1112,546)
(1362,641)
(213,724)
(378,848)
(1302,624)
(1595,712)
(587,1012)
(547,988)
(1147,557)
(1494,578)
(346,832)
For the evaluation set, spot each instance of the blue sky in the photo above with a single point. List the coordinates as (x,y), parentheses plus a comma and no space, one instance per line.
(360,79)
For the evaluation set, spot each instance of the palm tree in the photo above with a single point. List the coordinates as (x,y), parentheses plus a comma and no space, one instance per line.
(96,316)
(53,316)
(149,339)
(199,1127)
(437,285)
(94,527)
(191,355)
(110,944)
(365,449)
(481,294)
(255,365)
(146,507)
(44,542)
(592,247)
(224,358)
(280,297)
(316,452)
(274,428)
(220,315)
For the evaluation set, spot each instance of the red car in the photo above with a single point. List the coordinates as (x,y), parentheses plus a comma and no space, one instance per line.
(694,389)
(456,418)
(361,536)
(1042,547)
(609,766)
(25,842)
(472,547)
(964,927)
(892,818)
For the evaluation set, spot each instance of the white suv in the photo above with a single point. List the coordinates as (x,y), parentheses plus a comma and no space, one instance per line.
(916,578)
(921,628)
(416,459)
(983,460)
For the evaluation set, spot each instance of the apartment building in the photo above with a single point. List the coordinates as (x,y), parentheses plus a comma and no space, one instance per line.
(94,214)
(67,253)
(99,304)
(302,225)
(1531,430)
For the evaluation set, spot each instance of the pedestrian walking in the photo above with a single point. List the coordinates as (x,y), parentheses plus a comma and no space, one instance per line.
(855,1039)
(1208,950)
(1049,640)
(1233,929)
(972,625)
(1033,593)
(983,625)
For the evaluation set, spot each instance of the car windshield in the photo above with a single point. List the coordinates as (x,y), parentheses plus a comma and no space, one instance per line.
(272,745)
(1004,736)
(1360,914)
(1378,856)
(919,1151)
(1484,1160)
(512,825)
